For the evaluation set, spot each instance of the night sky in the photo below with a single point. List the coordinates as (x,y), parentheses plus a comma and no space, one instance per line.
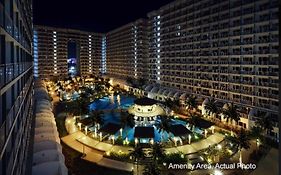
(92,15)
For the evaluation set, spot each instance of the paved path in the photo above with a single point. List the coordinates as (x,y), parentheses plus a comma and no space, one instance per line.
(94,150)
(94,155)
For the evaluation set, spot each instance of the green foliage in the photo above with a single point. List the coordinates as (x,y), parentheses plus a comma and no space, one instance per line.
(174,158)
(231,113)
(211,107)
(121,156)
(127,119)
(119,140)
(152,169)
(191,102)
(242,140)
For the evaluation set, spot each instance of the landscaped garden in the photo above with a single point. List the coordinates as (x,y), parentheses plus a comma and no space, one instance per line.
(107,113)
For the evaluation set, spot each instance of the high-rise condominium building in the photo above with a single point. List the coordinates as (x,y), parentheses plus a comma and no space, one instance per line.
(225,49)
(127,50)
(62,52)
(216,48)
(16,79)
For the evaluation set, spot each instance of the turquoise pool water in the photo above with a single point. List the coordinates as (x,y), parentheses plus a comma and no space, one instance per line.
(111,103)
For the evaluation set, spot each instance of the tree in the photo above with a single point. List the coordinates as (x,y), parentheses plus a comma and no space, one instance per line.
(152,169)
(137,154)
(211,107)
(127,120)
(169,103)
(265,122)
(97,117)
(231,113)
(193,120)
(191,102)
(256,133)
(242,140)
(164,125)
(79,106)
(158,152)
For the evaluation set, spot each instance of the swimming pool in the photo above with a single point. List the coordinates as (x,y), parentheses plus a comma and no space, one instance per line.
(113,102)
(124,102)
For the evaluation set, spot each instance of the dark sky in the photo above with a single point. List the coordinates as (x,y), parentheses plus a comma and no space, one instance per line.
(92,15)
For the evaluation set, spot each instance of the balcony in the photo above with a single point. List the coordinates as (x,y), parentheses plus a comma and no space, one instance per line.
(9,72)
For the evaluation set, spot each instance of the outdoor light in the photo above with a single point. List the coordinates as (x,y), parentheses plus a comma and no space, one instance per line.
(121,130)
(219,146)
(182,155)
(79,125)
(218,172)
(152,141)
(136,141)
(189,139)
(95,131)
(175,140)
(113,139)
(86,130)
(126,140)
(108,153)
(100,136)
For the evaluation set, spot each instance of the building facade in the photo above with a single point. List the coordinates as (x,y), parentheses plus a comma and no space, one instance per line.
(227,50)
(222,49)
(65,51)
(16,83)
(127,50)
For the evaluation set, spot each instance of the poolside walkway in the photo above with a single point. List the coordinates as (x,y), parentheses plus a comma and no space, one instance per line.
(94,150)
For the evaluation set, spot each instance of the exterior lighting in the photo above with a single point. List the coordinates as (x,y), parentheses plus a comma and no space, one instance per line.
(218,172)
(79,125)
(100,136)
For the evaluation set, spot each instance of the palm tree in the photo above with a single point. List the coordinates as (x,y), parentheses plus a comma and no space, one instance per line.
(127,120)
(242,140)
(163,125)
(169,103)
(211,107)
(256,133)
(152,169)
(191,102)
(97,117)
(265,122)
(193,120)
(137,154)
(158,152)
(231,113)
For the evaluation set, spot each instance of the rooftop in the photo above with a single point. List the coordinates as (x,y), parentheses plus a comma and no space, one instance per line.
(145,101)
(144,132)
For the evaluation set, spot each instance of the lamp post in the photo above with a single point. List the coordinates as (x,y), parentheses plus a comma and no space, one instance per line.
(96,132)
(79,125)
(121,130)
(113,139)
(100,136)
(86,130)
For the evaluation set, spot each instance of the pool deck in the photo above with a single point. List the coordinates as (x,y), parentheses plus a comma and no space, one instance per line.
(94,150)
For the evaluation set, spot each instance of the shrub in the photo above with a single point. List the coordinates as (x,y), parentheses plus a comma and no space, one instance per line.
(174,158)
